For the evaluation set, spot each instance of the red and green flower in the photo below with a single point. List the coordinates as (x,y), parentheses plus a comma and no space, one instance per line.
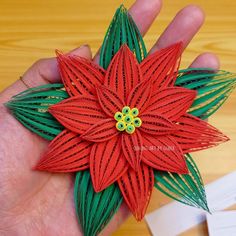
(124,122)
(127,125)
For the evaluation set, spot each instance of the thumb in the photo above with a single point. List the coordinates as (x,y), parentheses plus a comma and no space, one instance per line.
(41,72)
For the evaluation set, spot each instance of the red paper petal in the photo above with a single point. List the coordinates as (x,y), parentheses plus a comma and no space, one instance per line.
(136,188)
(140,96)
(156,124)
(131,145)
(79,75)
(101,131)
(163,153)
(107,163)
(66,153)
(194,134)
(123,73)
(78,113)
(162,66)
(171,103)
(109,100)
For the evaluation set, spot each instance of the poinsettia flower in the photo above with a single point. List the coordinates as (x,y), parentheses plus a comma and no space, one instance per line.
(124,122)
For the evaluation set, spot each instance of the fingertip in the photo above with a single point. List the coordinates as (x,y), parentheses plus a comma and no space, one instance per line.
(144,12)
(145,5)
(213,60)
(151,4)
(194,14)
(206,60)
(183,27)
(82,51)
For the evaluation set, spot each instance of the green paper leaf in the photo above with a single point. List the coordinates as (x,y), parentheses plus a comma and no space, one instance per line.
(94,210)
(187,189)
(213,89)
(122,30)
(30,108)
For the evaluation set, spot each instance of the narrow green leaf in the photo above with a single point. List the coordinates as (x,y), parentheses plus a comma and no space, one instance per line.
(213,89)
(94,210)
(31,109)
(122,30)
(187,189)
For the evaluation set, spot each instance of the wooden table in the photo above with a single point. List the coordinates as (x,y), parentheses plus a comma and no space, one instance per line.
(30,30)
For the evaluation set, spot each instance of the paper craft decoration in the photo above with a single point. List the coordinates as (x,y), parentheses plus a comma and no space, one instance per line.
(126,125)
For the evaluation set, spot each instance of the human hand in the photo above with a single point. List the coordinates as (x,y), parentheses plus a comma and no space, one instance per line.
(40,203)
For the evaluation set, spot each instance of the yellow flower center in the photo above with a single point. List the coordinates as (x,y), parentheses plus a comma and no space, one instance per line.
(127,119)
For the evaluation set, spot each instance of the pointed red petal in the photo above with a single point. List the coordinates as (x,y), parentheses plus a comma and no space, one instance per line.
(131,146)
(123,73)
(78,113)
(136,188)
(162,66)
(156,124)
(194,134)
(163,153)
(66,153)
(79,75)
(107,163)
(109,100)
(101,131)
(140,95)
(171,102)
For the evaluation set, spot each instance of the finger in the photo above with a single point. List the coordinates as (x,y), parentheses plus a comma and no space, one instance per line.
(183,27)
(46,70)
(144,13)
(42,72)
(206,60)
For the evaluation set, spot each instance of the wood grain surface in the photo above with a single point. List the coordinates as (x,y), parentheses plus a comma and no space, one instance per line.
(32,29)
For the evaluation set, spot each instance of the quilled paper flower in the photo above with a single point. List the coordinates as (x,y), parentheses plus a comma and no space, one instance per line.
(126,125)
(100,120)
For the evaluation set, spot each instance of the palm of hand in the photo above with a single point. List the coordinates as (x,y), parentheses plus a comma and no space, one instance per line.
(29,199)
(40,203)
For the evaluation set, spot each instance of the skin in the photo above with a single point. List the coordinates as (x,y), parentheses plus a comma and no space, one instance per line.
(40,203)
